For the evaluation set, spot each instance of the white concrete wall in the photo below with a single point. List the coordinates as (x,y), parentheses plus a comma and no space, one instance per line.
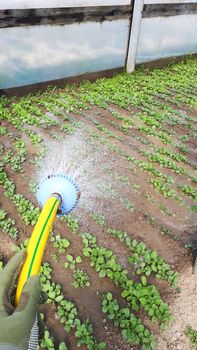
(162,37)
(21,4)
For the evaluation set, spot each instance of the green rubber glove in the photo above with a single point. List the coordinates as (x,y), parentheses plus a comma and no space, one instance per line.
(18,327)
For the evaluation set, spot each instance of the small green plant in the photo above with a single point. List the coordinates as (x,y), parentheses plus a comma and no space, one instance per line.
(67,312)
(71,262)
(81,279)
(127,204)
(132,329)
(99,218)
(165,231)
(121,178)
(56,136)
(165,151)
(32,186)
(194,208)
(165,210)
(136,187)
(52,289)
(152,220)
(15,161)
(8,225)
(35,139)
(163,161)
(192,335)
(165,189)
(184,138)
(3,130)
(127,123)
(149,197)
(83,331)
(29,214)
(37,159)
(71,222)
(184,149)
(54,257)
(7,157)
(2,214)
(137,294)
(146,261)
(26,209)
(194,179)
(48,341)
(190,191)
(22,246)
(68,128)
(59,242)
(152,132)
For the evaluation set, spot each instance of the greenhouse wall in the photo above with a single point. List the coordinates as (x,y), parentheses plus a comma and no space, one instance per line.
(167,30)
(43,41)
(61,39)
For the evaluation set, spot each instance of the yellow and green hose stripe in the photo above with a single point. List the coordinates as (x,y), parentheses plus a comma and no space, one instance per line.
(37,243)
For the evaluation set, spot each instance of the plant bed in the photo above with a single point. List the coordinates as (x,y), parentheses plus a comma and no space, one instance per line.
(129,141)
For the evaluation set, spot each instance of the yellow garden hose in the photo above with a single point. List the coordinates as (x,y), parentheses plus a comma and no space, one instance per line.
(38,241)
(57,194)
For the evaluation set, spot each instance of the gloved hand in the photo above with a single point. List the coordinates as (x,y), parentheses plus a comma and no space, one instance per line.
(18,327)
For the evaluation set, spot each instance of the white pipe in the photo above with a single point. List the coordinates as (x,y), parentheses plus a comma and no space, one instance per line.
(134,35)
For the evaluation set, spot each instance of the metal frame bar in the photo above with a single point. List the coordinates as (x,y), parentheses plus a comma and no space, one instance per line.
(134,35)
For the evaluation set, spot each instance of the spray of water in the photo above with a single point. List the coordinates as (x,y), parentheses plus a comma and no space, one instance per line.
(77,157)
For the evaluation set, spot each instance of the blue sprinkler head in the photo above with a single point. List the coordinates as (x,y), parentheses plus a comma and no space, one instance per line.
(62,185)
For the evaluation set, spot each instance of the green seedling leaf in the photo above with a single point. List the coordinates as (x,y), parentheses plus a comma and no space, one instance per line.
(78,259)
(144,280)
(69,258)
(63,346)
